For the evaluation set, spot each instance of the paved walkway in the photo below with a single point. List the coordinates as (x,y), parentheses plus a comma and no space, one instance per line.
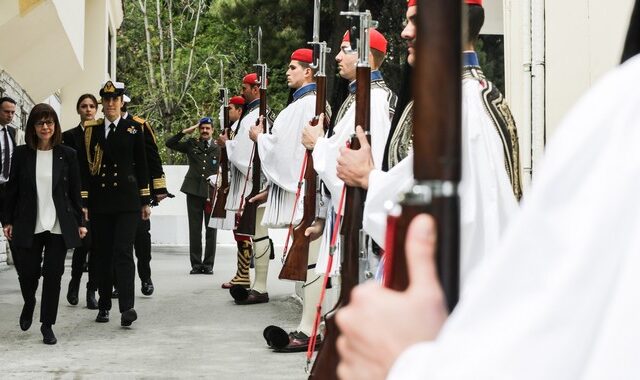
(189,328)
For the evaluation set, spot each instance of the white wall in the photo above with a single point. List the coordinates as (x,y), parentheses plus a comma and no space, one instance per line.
(582,39)
(169,223)
(71,14)
(95,66)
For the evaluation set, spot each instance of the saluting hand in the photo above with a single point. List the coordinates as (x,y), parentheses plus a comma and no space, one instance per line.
(354,166)
(191,129)
(399,319)
(311,133)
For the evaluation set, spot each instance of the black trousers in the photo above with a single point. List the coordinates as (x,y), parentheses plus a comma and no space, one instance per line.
(80,256)
(3,190)
(142,247)
(196,214)
(30,266)
(113,237)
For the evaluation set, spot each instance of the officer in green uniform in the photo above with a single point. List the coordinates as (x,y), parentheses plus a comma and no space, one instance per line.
(115,193)
(203,154)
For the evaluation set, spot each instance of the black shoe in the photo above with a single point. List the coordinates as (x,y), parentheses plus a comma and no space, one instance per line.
(196,270)
(128,317)
(147,287)
(103,316)
(92,303)
(72,293)
(297,342)
(115,293)
(48,337)
(206,270)
(26,317)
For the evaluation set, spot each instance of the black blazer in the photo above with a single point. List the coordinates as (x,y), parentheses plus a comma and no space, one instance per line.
(202,163)
(22,197)
(74,138)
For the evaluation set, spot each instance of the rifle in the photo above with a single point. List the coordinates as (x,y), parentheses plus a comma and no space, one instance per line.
(297,260)
(247,223)
(437,146)
(326,362)
(223,190)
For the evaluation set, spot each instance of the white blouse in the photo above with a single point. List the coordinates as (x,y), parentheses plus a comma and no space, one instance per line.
(46,217)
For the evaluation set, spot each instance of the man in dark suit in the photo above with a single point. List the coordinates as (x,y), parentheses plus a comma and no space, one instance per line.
(7,145)
(115,192)
(158,184)
(86,107)
(203,156)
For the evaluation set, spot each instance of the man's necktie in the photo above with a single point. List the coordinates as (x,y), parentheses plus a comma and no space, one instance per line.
(112,130)
(6,154)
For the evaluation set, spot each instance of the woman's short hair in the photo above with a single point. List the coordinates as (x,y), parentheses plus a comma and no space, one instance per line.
(40,112)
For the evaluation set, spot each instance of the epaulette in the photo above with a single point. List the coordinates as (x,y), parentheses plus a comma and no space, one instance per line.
(92,123)
(503,121)
(138,119)
(146,128)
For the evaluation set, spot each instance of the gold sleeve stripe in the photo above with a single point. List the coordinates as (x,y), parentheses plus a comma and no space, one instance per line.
(159,183)
(84,194)
(145,192)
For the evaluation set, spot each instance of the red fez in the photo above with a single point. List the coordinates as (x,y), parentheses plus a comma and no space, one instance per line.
(412,3)
(376,40)
(251,79)
(237,100)
(303,55)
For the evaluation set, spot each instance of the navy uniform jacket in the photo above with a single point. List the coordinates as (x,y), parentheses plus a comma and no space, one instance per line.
(22,195)
(157,180)
(202,163)
(114,171)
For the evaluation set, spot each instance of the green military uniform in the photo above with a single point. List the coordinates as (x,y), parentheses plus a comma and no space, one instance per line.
(203,162)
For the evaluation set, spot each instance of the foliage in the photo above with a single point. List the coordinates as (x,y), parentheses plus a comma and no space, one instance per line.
(169,52)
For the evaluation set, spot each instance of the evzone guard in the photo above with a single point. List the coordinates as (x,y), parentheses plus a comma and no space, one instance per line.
(239,151)
(490,186)
(282,156)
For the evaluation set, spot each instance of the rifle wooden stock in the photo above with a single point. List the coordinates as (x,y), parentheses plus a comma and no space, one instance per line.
(222,192)
(326,362)
(437,143)
(247,223)
(297,260)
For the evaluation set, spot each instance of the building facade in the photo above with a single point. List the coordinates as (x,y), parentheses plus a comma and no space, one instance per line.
(55,50)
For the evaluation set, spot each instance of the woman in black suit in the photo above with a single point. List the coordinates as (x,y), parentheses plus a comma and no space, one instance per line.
(43,212)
